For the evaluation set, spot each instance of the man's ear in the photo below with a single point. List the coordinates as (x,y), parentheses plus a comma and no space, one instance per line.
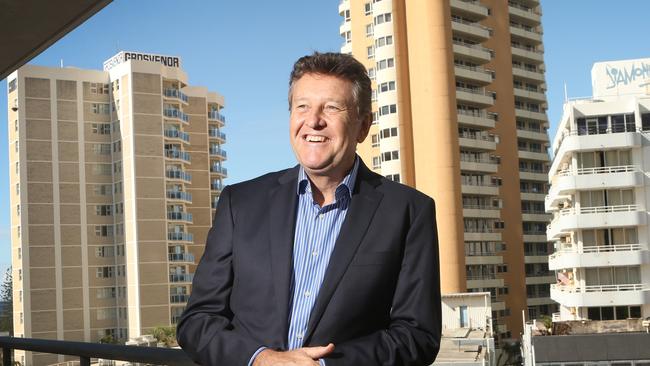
(365,127)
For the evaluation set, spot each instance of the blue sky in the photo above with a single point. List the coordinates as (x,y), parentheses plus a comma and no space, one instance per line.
(245,49)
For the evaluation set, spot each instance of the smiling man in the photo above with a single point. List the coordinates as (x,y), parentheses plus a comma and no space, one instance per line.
(325,263)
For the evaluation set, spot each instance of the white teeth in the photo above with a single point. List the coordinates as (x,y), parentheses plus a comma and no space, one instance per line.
(312,138)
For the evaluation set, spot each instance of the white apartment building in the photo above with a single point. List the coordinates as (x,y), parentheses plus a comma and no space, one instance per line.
(599,198)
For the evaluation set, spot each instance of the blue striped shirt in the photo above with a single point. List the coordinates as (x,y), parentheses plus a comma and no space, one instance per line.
(316,231)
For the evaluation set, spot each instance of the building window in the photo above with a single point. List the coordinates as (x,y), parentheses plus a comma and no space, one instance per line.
(375,140)
(101,128)
(119,208)
(390,155)
(387,86)
(388,132)
(16,146)
(118,187)
(383,41)
(17,188)
(383,18)
(20,274)
(101,108)
(105,251)
(18,210)
(105,272)
(369,30)
(371,73)
(376,162)
(103,189)
(347,15)
(16,125)
(98,88)
(104,210)
(18,231)
(102,149)
(20,253)
(17,167)
(117,167)
(104,230)
(347,36)
(383,64)
(375,117)
(367,7)
(370,51)
(102,169)
(387,109)
(393,177)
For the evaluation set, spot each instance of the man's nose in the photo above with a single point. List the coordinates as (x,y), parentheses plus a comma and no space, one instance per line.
(314,118)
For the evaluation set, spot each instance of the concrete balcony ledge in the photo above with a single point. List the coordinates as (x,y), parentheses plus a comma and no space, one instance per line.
(568,181)
(531,95)
(488,212)
(530,55)
(533,155)
(474,8)
(477,143)
(477,97)
(474,30)
(479,54)
(528,74)
(481,236)
(523,13)
(599,256)
(488,190)
(531,114)
(604,295)
(530,35)
(533,135)
(572,219)
(484,282)
(486,166)
(476,74)
(540,280)
(481,120)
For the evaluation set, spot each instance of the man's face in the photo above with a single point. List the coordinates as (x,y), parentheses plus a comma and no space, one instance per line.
(324,124)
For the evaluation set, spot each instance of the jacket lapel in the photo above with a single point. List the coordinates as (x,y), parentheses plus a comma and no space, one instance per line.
(365,200)
(283,201)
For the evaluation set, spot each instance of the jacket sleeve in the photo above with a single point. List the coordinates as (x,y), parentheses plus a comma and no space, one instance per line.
(205,330)
(413,336)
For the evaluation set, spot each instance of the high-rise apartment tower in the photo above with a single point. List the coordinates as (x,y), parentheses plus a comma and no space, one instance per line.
(460,113)
(599,198)
(114,178)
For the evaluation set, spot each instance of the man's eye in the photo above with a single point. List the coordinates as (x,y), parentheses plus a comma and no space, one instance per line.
(333,108)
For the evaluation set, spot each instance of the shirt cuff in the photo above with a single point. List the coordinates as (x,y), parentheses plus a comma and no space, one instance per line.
(259,350)
(322,362)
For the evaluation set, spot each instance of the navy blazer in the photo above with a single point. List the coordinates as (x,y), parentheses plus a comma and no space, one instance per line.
(379,302)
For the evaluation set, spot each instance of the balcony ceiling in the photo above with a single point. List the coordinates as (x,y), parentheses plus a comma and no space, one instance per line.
(28,27)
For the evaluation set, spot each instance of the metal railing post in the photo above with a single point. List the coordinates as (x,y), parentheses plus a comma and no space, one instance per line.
(6,356)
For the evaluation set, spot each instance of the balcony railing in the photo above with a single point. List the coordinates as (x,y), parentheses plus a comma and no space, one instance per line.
(181,277)
(476,113)
(91,351)
(597,249)
(214,115)
(216,151)
(477,136)
(472,159)
(181,257)
(178,174)
(473,46)
(179,298)
(180,237)
(480,207)
(179,195)
(179,216)
(218,169)
(216,185)
(175,93)
(599,288)
(215,202)
(599,170)
(177,154)
(484,276)
(176,134)
(213,132)
(598,130)
(175,113)
(598,209)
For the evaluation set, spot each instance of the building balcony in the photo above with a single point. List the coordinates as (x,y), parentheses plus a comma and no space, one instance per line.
(218,170)
(473,52)
(475,74)
(477,141)
(528,54)
(599,256)
(535,236)
(485,165)
(179,196)
(471,119)
(176,114)
(179,216)
(535,216)
(216,116)
(529,34)
(178,155)
(528,74)
(216,185)
(473,8)
(532,134)
(214,133)
(485,235)
(601,295)
(470,29)
(568,181)
(535,258)
(534,95)
(175,94)
(215,202)
(181,257)
(483,190)
(483,259)
(540,279)
(521,12)
(181,277)
(542,300)
(571,219)
(531,114)
(477,97)
(217,152)
(180,236)
(483,211)
(532,196)
(533,174)
(179,298)
(591,140)
(179,175)
(484,281)
(533,155)
(176,134)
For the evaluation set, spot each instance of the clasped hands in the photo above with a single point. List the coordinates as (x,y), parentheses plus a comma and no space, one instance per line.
(305,356)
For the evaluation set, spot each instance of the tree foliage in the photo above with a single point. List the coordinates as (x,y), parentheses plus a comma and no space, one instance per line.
(166,335)
(7,296)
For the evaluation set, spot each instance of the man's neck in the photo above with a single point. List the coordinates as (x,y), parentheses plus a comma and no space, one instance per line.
(324,186)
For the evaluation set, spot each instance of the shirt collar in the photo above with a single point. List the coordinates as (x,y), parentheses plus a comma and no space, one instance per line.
(348,180)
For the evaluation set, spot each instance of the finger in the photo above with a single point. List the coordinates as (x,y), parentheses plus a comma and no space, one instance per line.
(319,352)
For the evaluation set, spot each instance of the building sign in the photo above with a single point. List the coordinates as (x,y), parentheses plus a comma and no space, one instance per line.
(620,77)
(123,56)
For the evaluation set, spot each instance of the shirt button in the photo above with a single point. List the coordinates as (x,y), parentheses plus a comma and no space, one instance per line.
(299,335)
(307,293)
(321,216)
(314,253)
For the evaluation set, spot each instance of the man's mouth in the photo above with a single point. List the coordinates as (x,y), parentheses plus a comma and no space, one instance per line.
(315,138)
